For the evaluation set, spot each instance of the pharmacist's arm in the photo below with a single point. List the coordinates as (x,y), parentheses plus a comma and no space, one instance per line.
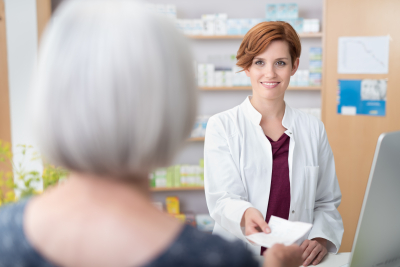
(328,223)
(227,199)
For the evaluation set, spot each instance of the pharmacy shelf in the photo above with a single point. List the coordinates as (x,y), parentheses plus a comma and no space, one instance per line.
(301,35)
(195,139)
(183,188)
(233,88)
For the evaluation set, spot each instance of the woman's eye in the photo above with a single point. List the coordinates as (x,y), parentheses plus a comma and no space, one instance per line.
(280,63)
(259,62)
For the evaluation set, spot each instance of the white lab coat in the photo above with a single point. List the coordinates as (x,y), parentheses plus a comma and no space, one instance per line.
(238,168)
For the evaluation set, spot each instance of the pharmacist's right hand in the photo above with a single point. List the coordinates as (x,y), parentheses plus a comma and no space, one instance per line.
(254,222)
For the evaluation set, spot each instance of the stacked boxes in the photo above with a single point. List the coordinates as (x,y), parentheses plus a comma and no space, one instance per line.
(208,24)
(178,176)
(300,78)
(221,27)
(315,66)
(239,77)
(290,13)
(216,24)
(172,204)
(206,75)
(199,128)
(223,77)
(313,75)
(311,25)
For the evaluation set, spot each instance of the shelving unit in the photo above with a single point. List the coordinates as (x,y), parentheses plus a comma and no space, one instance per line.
(205,37)
(213,100)
(233,88)
(183,188)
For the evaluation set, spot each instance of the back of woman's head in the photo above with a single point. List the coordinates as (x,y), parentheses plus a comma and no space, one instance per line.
(114,92)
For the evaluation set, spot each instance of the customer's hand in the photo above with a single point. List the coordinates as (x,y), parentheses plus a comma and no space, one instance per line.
(254,222)
(283,256)
(313,251)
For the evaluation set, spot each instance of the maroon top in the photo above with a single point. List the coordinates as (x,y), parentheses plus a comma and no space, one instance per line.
(279,195)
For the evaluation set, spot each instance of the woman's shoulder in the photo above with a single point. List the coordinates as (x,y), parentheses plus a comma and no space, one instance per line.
(305,120)
(195,248)
(227,115)
(15,250)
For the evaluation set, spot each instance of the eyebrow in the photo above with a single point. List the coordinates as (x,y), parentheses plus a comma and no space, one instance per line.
(275,59)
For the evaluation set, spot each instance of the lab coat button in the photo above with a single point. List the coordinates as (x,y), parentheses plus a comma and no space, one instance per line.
(292,211)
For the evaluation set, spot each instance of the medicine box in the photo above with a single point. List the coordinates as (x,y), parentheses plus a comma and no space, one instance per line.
(172,204)
(315,66)
(270,13)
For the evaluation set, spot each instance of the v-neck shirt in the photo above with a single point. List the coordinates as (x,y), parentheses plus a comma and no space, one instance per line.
(279,196)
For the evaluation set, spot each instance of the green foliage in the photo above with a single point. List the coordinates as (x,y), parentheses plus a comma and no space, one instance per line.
(50,176)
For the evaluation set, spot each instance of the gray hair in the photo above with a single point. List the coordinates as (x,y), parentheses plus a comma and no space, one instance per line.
(114,92)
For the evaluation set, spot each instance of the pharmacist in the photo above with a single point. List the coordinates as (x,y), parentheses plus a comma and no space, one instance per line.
(265,158)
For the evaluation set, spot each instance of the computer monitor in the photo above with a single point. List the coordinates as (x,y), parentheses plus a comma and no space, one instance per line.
(377,239)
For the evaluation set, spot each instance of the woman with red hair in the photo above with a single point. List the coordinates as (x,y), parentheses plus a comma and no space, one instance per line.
(264,158)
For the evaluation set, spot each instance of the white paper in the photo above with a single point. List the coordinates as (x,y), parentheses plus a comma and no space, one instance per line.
(363,55)
(282,232)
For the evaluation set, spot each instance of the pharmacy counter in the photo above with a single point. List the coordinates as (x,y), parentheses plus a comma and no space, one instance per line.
(331,260)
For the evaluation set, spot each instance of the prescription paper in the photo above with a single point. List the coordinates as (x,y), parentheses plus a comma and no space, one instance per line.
(282,232)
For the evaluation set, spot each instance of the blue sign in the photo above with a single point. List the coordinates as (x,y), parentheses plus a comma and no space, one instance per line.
(362,97)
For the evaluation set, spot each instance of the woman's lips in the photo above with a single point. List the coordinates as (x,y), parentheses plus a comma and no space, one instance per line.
(270,85)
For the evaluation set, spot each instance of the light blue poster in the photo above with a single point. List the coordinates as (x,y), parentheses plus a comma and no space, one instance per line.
(362,97)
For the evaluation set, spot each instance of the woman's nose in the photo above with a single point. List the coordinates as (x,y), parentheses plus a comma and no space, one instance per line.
(269,72)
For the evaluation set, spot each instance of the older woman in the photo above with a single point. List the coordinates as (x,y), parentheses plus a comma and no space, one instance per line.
(113,98)
(265,158)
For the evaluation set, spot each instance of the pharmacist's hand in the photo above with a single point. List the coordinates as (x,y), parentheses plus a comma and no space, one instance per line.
(283,256)
(254,222)
(313,251)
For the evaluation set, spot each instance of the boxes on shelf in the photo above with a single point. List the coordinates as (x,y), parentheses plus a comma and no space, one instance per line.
(315,79)
(160,177)
(315,66)
(315,53)
(172,204)
(300,78)
(223,77)
(206,75)
(186,218)
(199,128)
(233,27)
(290,13)
(297,24)
(239,77)
(178,176)
(208,24)
(311,25)
(205,223)
(221,27)
(281,11)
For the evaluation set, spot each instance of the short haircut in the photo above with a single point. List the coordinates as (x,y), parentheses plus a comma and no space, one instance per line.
(114,93)
(260,36)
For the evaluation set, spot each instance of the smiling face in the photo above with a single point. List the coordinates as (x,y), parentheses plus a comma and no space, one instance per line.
(270,71)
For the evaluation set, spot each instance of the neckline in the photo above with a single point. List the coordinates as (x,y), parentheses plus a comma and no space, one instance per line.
(280,138)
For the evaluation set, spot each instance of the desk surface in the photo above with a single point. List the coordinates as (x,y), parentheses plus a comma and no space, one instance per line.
(338,260)
(331,260)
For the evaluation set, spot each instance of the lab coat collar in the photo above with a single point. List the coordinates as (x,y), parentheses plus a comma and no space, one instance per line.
(255,117)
